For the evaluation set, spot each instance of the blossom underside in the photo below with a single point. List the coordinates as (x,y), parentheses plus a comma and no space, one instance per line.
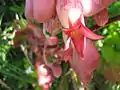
(78,32)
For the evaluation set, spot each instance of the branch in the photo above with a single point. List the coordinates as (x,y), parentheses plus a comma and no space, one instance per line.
(111,20)
(26,55)
(5,85)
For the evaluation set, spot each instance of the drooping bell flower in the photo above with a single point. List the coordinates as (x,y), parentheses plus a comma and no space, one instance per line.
(29,9)
(71,17)
(84,68)
(32,34)
(88,8)
(40,10)
(101,18)
(92,7)
(45,76)
(52,26)
(97,9)
(78,33)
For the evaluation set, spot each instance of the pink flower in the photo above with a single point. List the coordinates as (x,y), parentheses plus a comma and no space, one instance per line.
(77,33)
(84,68)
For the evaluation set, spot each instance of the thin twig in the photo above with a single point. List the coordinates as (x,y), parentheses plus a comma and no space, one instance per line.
(5,85)
(26,54)
(111,20)
(74,85)
(44,53)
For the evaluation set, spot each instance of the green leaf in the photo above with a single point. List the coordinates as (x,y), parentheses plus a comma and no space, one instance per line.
(111,55)
(113,38)
(114,10)
(16,9)
(38,88)
(108,53)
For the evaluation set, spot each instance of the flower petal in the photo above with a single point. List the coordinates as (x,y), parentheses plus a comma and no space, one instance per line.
(68,53)
(101,18)
(89,34)
(67,31)
(79,45)
(67,44)
(69,22)
(84,68)
(76,24)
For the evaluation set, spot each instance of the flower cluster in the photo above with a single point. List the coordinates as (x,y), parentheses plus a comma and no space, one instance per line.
(75,47)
